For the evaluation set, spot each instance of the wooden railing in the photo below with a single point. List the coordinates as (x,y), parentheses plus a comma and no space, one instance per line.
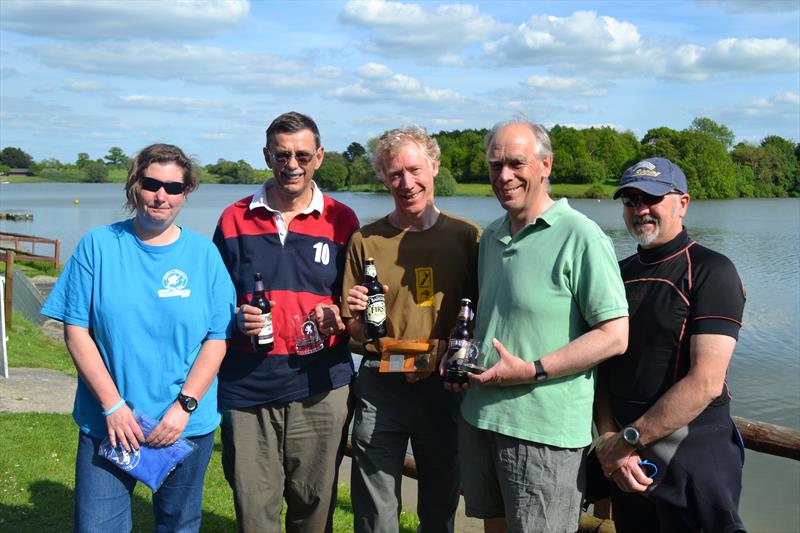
(24,247)
(15,247)
(757,436)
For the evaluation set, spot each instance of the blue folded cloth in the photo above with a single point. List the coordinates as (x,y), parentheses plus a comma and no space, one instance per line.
(149,465)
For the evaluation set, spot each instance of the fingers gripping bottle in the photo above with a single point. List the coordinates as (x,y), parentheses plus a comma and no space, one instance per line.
(264,341)
(375,314)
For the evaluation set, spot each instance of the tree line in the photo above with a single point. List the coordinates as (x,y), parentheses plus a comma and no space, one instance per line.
(714,166)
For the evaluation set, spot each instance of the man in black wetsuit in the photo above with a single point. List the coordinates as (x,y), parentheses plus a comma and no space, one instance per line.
(666,400)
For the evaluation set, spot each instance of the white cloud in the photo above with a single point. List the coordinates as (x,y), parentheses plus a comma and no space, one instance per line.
(85,86)
(423,32)
(579,108)
(379,83)
(447,122)
(374,71)
(44,116)
(328,72)
(204,65)
(779,114)
(563,87)
(749,6)
(605,47)
(88,20)
(728,56)
(170,104)
(581,37)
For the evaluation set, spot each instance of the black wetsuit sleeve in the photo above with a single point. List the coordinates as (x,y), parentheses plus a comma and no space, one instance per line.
(718,296)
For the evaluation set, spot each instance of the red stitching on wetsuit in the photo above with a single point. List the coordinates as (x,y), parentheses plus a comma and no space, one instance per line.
(678,351)
(662,280)
(720,317)
(679,252)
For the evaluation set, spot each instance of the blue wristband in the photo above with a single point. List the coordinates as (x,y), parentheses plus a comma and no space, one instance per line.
(109,411)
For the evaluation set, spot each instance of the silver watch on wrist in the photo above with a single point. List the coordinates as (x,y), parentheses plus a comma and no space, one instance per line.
(631,435)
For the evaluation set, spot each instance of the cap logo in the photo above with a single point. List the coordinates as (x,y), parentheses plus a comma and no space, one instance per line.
(645,168)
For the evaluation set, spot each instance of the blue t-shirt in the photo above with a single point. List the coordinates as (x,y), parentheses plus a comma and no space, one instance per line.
(148,309)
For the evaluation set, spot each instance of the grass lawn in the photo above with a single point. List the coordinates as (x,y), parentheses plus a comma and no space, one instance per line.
(37,461)
(34,268)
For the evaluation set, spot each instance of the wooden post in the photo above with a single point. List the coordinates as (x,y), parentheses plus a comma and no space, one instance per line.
(7,304)
(57,254)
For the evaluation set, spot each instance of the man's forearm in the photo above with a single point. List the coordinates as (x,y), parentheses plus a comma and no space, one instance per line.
(710,355)
(605,340)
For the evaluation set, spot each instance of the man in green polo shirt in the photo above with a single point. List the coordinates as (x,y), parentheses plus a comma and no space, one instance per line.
(551,307)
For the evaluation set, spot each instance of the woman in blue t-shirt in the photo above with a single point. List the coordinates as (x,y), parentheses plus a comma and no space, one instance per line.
(147,307)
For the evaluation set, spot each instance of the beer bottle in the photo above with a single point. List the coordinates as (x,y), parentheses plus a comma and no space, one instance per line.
(264,341)
(375,314)
(458,346)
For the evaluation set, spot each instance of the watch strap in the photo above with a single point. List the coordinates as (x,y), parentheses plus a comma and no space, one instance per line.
(540,375)
(188,403)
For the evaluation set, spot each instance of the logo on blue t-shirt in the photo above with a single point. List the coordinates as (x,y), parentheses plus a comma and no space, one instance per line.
(175,282)
(125,460)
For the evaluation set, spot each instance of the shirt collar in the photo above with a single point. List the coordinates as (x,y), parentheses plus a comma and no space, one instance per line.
(549,217)
(260,198)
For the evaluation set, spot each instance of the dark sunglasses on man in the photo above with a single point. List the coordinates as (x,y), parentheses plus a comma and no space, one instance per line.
(302,158)
(635,199)
(170,187)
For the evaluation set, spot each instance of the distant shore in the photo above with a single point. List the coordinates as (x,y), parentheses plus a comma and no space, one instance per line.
(560,190)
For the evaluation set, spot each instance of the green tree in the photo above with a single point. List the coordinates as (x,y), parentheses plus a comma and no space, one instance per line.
(232,171)
(444,184)
(787,173)
(707,165)
(589,171)
(615,150)
(719,131)
(95,171)
(51,162)
(361,172)
(568,146)
(116,157)
(662,142)
(83,160)
(332,175)
(354,150)
(15,157)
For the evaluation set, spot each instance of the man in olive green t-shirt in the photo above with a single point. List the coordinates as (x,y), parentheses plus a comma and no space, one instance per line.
(552,306)
(427,259)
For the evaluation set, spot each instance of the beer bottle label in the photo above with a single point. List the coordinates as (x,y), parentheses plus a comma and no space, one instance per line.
(376,310)
(265,335)
(370,271)
(458,348)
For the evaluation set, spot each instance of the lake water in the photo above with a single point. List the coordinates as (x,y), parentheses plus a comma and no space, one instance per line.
(762,237)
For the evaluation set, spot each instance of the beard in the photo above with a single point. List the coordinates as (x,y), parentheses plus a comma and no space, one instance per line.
(640,233)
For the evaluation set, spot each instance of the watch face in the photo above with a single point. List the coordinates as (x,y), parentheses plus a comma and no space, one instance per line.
(631,435)
(189,403)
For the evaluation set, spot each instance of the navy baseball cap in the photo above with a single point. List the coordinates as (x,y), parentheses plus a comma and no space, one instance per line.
(656,176)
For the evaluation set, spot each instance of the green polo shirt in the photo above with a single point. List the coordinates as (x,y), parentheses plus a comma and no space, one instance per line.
(539,290)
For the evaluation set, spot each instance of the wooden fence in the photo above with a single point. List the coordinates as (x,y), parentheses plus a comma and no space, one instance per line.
(24,247)
(757,436)
(15,247)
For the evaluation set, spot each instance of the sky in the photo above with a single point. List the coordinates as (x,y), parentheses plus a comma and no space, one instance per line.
(209,76)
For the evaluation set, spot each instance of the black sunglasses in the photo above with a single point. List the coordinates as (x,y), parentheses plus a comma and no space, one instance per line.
(170,187)
(302,158)
(633,200)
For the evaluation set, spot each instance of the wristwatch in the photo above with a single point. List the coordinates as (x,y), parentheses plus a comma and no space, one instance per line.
(631,435)
(540,374)
(188,403)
